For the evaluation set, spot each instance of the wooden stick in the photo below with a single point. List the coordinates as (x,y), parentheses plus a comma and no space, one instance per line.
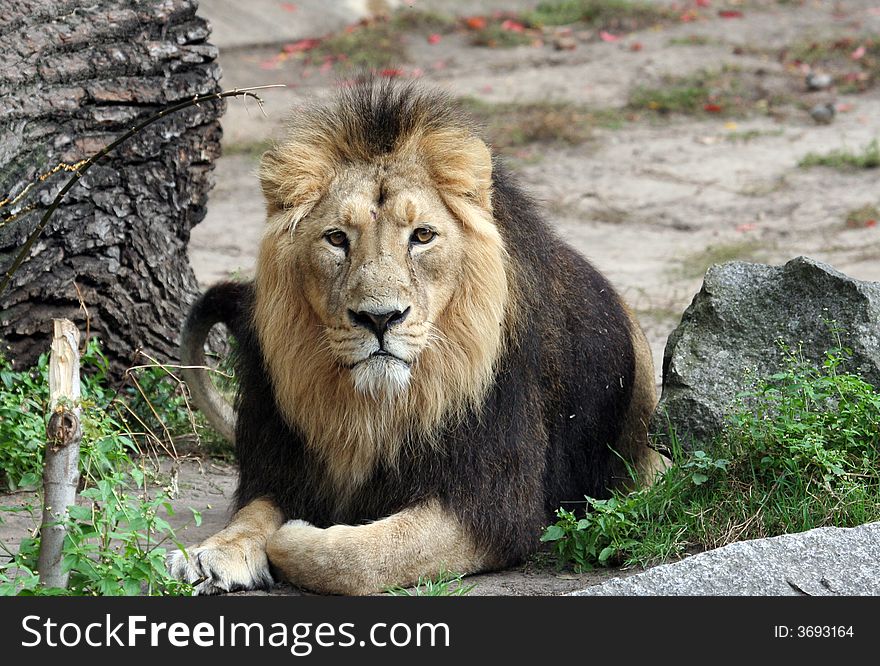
(61,465)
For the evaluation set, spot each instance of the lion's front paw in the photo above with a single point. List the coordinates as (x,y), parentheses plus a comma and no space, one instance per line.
(223,568)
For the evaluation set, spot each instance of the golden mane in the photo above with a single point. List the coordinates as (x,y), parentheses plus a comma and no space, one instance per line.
(351,431)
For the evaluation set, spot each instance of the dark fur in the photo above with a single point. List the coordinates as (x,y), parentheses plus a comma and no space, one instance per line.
(543,436)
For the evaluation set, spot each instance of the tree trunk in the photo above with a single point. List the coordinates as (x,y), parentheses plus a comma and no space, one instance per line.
(74,75)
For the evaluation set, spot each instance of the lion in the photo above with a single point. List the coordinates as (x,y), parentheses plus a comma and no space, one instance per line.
(426,370)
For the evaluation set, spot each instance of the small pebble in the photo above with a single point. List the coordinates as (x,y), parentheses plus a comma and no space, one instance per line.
(823,113)
(818,81)
(564,43)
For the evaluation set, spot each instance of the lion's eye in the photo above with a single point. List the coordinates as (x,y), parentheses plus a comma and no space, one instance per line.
(422,235)
(336,238)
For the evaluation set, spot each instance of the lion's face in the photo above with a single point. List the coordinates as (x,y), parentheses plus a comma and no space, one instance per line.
(379,259)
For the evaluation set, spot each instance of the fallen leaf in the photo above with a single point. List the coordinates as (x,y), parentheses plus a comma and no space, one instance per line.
(730,13)
(845,108)
(301,45)
(712,108)
(434,39)
(636,46)
(391,73)
(689,16)
(748,226)
(475,22)
(271,63)
(870,223)
(288,6)
(730,125)
(608,37)
(513,26)
(858,54)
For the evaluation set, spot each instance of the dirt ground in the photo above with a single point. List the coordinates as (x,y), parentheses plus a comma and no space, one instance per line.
(652,199)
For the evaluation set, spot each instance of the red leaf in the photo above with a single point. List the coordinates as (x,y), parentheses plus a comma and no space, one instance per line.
(513,26)
(858,53)
(730,13)
(635,46)
(475,22)
(391,73)
(288,6)
(434,39)
(688,16)
(712,108)
(871,223)
(704,3)
(608,37)
(301,45)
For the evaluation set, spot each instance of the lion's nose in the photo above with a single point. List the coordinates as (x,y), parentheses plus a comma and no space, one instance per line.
(377,322)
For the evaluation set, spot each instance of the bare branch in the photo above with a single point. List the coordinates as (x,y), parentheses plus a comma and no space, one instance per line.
(82,167)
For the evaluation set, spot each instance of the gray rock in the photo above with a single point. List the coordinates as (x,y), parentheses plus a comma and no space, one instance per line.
(818,81)
(827,561)
(823,113)
(729,335)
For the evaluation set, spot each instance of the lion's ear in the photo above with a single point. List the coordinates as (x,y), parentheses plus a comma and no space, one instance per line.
(460,164)
(294,175)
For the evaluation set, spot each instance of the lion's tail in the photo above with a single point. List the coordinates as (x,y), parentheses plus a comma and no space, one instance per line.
(222,303)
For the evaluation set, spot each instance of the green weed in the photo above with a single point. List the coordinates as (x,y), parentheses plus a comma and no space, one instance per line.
(117,533)
(446,584)
(801,450)
(511,125)
(725,92)
(867,158)
(621,15)
(863,216)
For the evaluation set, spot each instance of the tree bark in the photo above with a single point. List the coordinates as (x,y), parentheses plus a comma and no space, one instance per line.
(74,75)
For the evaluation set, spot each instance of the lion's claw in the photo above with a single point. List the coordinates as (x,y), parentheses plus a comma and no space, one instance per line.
(220,569)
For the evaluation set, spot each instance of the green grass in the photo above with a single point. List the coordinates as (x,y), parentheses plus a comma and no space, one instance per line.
(867,158)
(374,45)
(725,92)
(834,55)
(446,584)
(746,136)
(512,125)
(381,43)
(422,21)
(691,40)
(620,15)
(863,216)
(801,450)
(696,264)
(495,35)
